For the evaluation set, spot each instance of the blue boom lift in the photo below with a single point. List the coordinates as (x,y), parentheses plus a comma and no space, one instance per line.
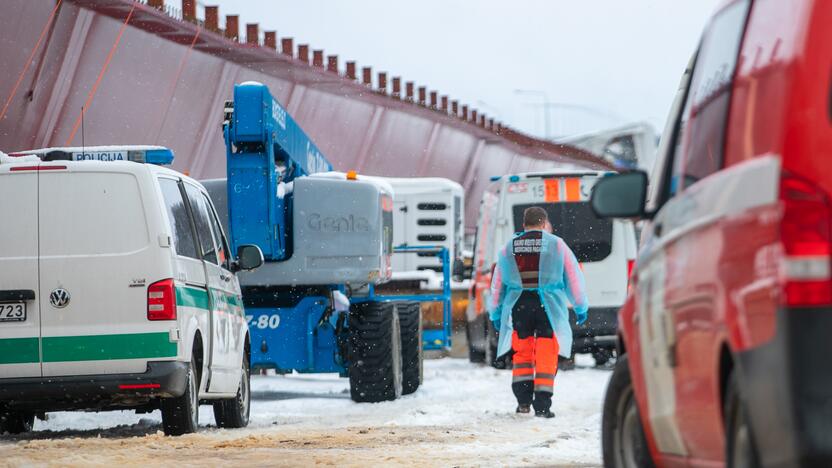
(327,241)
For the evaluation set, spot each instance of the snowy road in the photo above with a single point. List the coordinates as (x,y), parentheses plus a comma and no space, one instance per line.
(462,416)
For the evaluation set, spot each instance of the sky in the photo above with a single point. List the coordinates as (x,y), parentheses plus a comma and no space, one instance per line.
(598,63)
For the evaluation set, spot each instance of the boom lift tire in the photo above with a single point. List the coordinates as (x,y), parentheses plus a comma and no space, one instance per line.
(16,422)
(234,412)
(180,415)
(375,352)
(410,319)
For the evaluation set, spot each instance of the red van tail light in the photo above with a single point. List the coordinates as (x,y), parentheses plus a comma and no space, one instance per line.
(161,300)
(806,233)
(630,265)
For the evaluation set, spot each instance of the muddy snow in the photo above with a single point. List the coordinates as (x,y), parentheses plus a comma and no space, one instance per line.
(462,416)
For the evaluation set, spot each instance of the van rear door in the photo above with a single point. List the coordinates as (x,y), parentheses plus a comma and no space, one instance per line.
(19,308)
(96,260)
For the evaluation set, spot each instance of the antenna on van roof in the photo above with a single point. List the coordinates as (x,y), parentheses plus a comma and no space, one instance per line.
(82,131)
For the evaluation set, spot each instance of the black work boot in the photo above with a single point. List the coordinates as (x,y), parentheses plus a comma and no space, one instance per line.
(548,414)
(523,409)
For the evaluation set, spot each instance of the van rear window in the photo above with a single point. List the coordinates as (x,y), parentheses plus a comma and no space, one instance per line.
(589,237)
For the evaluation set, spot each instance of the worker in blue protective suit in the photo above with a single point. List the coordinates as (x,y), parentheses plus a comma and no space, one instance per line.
(536,280)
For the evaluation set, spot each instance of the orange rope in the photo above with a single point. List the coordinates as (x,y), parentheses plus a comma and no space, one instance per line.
(29,61)
(176,81)
(100,77)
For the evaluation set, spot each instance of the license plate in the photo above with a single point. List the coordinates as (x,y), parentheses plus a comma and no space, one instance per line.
(12,312)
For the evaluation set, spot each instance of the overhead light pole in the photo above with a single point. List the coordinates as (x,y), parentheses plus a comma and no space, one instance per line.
(546,106)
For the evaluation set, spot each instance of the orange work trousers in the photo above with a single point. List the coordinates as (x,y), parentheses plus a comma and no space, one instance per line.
(535,353)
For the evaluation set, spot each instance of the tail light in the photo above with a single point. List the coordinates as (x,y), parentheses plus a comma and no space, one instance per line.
(807,243)
(161,300)
(631,263)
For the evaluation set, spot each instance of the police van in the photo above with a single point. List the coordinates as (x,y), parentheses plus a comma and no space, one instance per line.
(117,290)
(606,251)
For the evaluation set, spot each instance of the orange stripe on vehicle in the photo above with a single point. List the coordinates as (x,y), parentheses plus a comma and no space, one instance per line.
(573,190)
(552,189)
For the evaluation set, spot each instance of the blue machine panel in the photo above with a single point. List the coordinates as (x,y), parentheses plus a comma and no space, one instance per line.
(291,338)
(265,148)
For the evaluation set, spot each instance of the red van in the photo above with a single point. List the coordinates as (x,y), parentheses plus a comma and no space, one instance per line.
(726,336)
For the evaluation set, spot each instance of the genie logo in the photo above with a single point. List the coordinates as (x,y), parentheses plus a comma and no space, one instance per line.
(348,223)
(279,114)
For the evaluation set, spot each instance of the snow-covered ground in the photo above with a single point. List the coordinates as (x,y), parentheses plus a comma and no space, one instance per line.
(462,416)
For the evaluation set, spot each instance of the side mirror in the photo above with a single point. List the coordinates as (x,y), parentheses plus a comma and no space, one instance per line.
(620,196)
(249,257)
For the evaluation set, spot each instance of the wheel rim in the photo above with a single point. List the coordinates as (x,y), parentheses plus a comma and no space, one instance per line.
(627,431)
(194,396)
(741,456)
(244,397)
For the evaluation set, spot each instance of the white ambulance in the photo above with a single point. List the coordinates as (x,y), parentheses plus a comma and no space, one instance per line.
(606,250)
(117,291)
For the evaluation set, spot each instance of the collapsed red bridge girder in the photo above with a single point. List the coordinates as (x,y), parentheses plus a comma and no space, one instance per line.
(150,74)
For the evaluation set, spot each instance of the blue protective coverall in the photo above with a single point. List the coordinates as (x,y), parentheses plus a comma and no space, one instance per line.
(560,284)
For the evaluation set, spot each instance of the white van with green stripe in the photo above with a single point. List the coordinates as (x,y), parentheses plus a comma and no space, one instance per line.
(117,291)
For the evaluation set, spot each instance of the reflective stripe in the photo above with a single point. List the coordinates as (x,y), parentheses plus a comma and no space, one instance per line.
(522,378)
(544,388)
(552,190)
(529,274)
(573,190)
(523,365)
(546,376)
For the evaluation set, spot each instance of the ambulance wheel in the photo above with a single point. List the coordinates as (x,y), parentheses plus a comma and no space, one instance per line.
(739,446)
(602,356)
(15,422)
(375,352)
(622,435)
(180,415)
(234,412)
(474,355)
(491,341)
(410,320)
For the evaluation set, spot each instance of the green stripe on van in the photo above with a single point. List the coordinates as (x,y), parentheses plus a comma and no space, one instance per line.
(19,350)
(107,347)
(191,297)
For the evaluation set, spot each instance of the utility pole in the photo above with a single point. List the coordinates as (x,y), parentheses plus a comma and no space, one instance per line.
(546,107)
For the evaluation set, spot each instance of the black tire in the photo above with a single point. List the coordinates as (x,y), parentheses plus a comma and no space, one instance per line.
(622,435)
(739,444)
(410,321)
(375,352)
(602,356)
(16,422)
(566,364)
(180,415)
(475,355)
(491,344)
(233,413)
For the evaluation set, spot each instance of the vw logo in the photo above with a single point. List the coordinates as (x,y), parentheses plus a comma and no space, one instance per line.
(59,298)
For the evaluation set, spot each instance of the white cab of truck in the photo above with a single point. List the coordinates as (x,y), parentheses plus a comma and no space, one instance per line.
(117,291)
(427,211)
